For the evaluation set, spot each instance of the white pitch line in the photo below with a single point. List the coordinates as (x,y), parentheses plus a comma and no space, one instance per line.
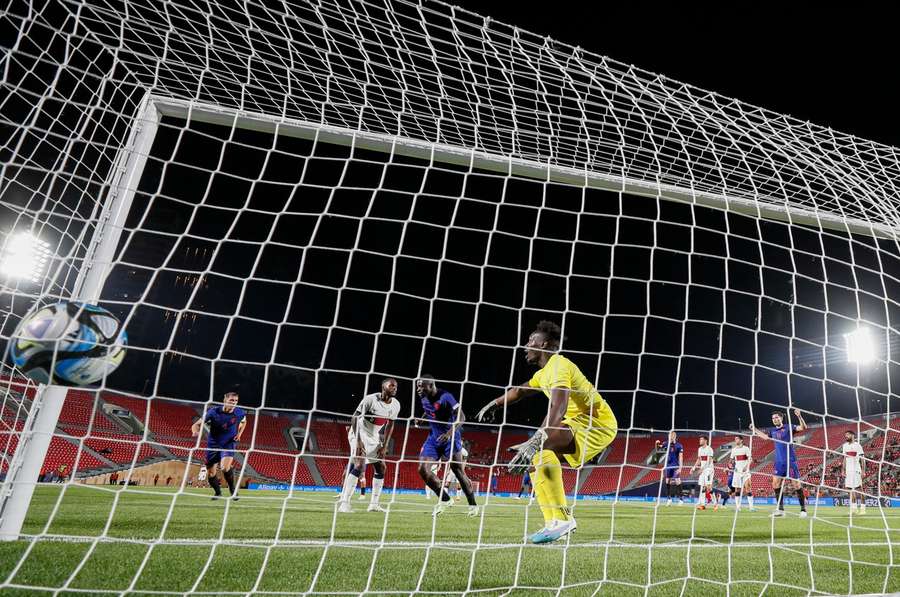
(681,543)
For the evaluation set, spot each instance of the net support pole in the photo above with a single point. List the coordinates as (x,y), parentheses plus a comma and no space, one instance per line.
(40,425)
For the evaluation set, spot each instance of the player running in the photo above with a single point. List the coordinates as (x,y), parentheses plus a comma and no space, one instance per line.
(672,469)
(578,426)
(785,460)
(226,424)
(706,467)
(444,416)
(370,431)
(853,463)
(739,479)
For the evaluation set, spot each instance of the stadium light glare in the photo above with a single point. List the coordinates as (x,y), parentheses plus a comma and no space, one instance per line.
(25,257)
(860,346)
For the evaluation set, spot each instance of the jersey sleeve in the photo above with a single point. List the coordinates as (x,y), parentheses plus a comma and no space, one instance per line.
(449,401)
(208,417)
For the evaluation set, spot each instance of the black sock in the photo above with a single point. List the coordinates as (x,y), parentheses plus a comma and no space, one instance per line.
(802,497)
(435,486)
(725,497)
(229,478)
(781,498)
(215,484)
(362,490)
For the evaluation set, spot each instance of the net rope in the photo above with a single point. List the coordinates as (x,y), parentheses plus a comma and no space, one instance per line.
(704,257)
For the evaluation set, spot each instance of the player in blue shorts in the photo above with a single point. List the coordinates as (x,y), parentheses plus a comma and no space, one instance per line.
(444,416)
(785,459)
(226,424)
(672,470)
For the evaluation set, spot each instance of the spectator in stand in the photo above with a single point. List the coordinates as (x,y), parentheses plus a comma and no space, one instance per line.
(63,468)
(168,480)
(156,479)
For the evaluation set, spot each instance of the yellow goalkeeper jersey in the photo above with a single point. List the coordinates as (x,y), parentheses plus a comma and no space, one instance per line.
(560,372)
(589,417)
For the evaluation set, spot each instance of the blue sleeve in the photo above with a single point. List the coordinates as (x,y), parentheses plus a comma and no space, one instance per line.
(448,400)
(241,415)
(209,415)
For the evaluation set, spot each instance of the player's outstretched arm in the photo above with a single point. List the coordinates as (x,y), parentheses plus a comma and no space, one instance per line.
(802,424)
(757,432)
(513,394)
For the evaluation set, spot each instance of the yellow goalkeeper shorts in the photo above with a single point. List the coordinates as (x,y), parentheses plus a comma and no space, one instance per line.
(592,435)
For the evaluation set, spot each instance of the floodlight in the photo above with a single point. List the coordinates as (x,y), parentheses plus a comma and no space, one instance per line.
(25,257)
(860,346)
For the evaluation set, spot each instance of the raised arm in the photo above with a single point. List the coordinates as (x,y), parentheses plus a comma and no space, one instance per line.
(757,432)
(802,426)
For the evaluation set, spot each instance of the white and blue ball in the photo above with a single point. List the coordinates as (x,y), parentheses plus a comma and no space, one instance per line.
(68,343)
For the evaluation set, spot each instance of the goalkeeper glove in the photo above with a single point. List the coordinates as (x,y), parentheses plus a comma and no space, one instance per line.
(525,452)
(486,414)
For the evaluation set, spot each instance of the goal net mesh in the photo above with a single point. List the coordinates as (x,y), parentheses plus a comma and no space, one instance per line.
(335,193)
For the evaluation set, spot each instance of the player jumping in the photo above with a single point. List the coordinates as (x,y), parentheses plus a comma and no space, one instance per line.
(672,470)
(444,415)
(226,424)
(785,460)
(705,465)
(370,432)
(578,426)
(853,463)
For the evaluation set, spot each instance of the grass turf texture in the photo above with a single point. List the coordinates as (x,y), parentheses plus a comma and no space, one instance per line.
(199,549)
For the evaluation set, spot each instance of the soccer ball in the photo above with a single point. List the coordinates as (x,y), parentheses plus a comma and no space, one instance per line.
(68,344)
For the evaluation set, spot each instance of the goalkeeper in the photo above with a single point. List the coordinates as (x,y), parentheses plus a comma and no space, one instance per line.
(578,426)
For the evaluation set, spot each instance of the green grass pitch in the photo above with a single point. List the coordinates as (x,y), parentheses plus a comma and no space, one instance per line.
(155,541)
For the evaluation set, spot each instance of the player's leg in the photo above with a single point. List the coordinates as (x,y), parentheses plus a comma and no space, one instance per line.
(748,491)
(377,485)
(778,487)
(463,480)
(362,488)
(228,470)
(548,483)
(212,472)
(798,487)
(356,468)
(429,456)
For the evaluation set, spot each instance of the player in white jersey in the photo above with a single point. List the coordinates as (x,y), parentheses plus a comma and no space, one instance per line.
(853,464)
(741,479)
(370,432)
(705,465)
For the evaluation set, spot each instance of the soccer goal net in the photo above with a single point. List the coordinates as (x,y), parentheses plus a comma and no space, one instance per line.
(299,200)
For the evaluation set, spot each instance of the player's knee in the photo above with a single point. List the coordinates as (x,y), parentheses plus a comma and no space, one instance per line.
(378,474)
(423,470)
(355,470)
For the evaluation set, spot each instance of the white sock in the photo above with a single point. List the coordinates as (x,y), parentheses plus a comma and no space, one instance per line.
(377,484)
(702,498)
(350,482)
(750,500)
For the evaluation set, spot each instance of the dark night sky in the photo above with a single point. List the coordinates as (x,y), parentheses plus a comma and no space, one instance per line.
(646,312)
(836,68)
